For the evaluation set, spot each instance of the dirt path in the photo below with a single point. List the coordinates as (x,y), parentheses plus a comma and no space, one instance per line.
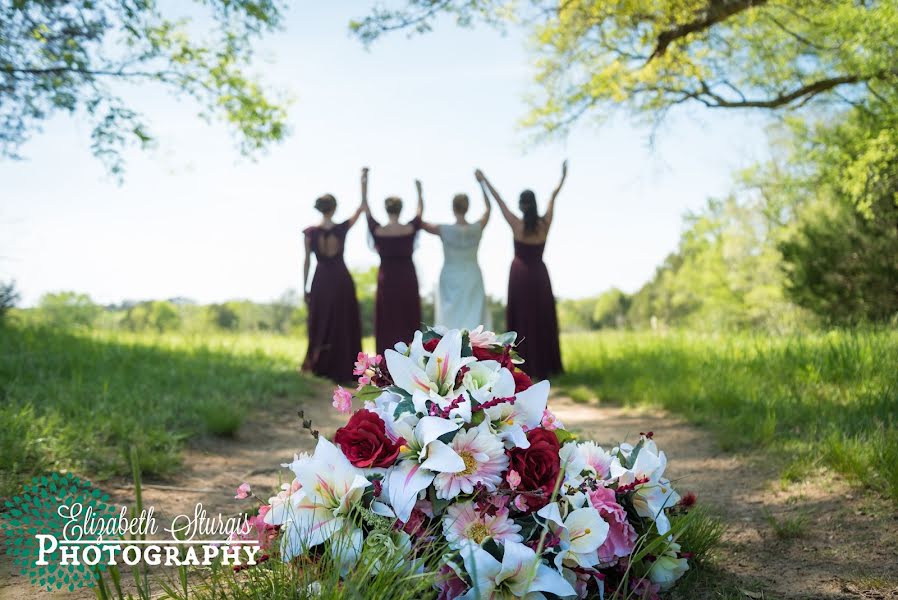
(848,548)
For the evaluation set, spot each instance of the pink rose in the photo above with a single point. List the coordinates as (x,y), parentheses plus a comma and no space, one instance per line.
(621,535)
(513,479)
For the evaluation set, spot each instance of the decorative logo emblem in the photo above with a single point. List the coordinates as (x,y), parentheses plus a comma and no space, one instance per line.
(36,513)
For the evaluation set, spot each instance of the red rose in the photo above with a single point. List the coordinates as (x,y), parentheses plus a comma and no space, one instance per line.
(365,443)
(537,465)
(431,344)
(485,354)
(522,381)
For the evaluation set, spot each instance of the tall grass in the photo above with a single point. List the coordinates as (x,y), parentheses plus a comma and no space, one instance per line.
(831,397)
(80,400)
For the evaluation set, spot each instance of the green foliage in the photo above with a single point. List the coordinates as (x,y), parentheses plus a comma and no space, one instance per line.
(650,55)
(725,275)
(68,309)
(9,296)
(62,56)
(827,396)
(838,181)
(787,527)
(79,400)
(158,315)
(611,309)
(223,316)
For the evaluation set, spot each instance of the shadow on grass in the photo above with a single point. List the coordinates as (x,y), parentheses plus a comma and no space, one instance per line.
(79,401)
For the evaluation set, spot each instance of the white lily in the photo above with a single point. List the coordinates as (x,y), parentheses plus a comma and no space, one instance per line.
(330,487)
(487,379)
(521,574)
(652,497)
(668,567)
(512,420)
(421,458)
(581,533)
(434,376)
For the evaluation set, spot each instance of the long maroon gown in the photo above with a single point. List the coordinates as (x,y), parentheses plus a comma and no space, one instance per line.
(531,311)
(397,306)
(335,332)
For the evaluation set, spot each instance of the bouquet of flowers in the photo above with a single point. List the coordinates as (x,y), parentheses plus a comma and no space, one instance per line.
(454,453)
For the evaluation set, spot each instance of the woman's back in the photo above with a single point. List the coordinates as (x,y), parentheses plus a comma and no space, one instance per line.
(460,242)
(461,300)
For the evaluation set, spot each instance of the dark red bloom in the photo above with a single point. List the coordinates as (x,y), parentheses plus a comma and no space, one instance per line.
(365,442)
(688,500)
(485,354)
(431,344)
(537,465)
(522,381)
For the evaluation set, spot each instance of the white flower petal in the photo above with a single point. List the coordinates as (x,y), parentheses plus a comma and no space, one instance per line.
(405,481)
(442,459)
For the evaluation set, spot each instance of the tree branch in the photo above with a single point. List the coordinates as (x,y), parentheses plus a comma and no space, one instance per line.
(803,93)
(716,12)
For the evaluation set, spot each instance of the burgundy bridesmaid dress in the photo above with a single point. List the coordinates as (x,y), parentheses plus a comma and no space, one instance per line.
(335,331)
(531,311)
(397,306)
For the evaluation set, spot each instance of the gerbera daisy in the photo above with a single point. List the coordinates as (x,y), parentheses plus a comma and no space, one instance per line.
(462,523)
(485,460)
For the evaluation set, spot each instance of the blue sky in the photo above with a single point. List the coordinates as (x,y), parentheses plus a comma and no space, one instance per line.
(195,219)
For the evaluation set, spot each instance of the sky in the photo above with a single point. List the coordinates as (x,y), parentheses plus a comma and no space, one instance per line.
(195,219)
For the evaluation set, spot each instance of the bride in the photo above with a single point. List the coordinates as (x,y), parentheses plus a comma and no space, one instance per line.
(461,300)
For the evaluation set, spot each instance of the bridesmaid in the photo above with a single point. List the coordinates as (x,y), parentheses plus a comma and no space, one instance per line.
(335,333)
(397,306)
(531,305)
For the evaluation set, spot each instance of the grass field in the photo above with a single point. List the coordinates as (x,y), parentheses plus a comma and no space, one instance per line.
(826,399)
(80,400)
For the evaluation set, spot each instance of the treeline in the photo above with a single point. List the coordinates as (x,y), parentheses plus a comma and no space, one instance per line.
(808,239)
(285,315)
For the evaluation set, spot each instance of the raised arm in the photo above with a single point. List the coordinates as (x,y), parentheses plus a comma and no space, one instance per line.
(420,212)
(513,220)
(486,200)
(305,269)
(428,227)
(550,210)
(363,207)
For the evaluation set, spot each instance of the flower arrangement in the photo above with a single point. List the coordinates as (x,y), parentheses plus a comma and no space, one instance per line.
(454,454)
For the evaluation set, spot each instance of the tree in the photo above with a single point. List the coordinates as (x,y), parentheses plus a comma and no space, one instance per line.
(9,296)
(224,316)
(66,56)
(611,309)
(725,274)
(651,55)
(285,311)
(152,314)
(68,309)
(838,185)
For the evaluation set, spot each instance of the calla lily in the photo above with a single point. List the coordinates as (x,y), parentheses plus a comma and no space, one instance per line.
(581,533)
(421,459)
(329,487)
(652,497)
(521,574)
(512,421)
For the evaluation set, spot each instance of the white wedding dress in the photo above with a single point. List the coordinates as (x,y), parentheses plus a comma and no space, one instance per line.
(461,301)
